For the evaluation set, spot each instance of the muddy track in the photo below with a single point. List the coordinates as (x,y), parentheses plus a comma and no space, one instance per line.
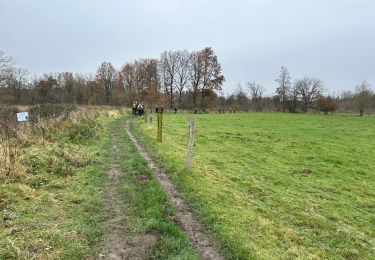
(185,219)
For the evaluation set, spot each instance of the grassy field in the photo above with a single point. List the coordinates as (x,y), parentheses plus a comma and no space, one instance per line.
(52,198)
(277,186)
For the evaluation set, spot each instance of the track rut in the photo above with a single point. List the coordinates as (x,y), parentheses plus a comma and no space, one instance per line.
(185,219)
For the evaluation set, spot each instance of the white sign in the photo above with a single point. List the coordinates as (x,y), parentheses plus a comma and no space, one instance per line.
(22,117)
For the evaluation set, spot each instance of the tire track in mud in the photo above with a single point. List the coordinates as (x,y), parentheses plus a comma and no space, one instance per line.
(185,219)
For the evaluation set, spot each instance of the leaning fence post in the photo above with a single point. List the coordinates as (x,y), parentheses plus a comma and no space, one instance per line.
(190,144)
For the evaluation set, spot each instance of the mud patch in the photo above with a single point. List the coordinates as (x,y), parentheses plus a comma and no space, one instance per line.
(143,245)
(307,171)
(139,248)
(143,178)
(113,172)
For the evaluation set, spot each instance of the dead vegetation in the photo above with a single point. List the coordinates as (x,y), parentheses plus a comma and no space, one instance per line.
(46,167)
(39,134)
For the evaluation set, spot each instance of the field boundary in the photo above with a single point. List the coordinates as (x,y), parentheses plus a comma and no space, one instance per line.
(185,219)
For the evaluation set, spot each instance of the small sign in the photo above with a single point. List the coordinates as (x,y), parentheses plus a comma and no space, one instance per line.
(22,117)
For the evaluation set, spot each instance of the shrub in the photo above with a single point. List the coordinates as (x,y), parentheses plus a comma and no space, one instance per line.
(82,131)
(49,111)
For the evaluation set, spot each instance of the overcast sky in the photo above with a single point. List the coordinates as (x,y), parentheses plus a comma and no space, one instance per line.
(330,39)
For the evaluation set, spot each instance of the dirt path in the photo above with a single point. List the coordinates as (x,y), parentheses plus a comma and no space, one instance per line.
(197,236)
(119,241)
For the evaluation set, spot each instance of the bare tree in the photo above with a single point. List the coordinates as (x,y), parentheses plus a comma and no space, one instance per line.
(240,99)
(15,80)
(363,95)
(183,73)
(95,92)
(125,87)
(127,74)
(106,76)
(256,93)
(195,75)
(6,64)
(168,70)
(293,103)
(309,89)
(256,90)
(12,79)
(147,80)
(66,85)
(81,86)
(284,89)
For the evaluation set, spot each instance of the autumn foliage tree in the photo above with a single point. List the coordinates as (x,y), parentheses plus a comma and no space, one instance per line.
(211,74)
(206,76)
(45,89)
(326,104)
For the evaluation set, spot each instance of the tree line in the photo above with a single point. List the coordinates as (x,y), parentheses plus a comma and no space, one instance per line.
(181,79)
(177,79)
(302,95)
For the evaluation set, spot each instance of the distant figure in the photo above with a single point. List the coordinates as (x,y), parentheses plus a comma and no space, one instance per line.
(195,111)
(230,110)
(134,107)
(156,109)
(175,110)
(140,110)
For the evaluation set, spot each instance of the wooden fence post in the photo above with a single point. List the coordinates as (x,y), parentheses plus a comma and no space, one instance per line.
(160,126)
(190,144)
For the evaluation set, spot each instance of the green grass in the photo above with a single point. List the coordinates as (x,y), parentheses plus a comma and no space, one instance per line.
(277,186)
(145,201)
(58,212)
(55,213)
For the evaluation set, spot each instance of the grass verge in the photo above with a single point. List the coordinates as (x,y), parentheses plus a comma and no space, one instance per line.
(55,212)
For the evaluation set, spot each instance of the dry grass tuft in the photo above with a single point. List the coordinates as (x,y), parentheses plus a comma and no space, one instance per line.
(45,125)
